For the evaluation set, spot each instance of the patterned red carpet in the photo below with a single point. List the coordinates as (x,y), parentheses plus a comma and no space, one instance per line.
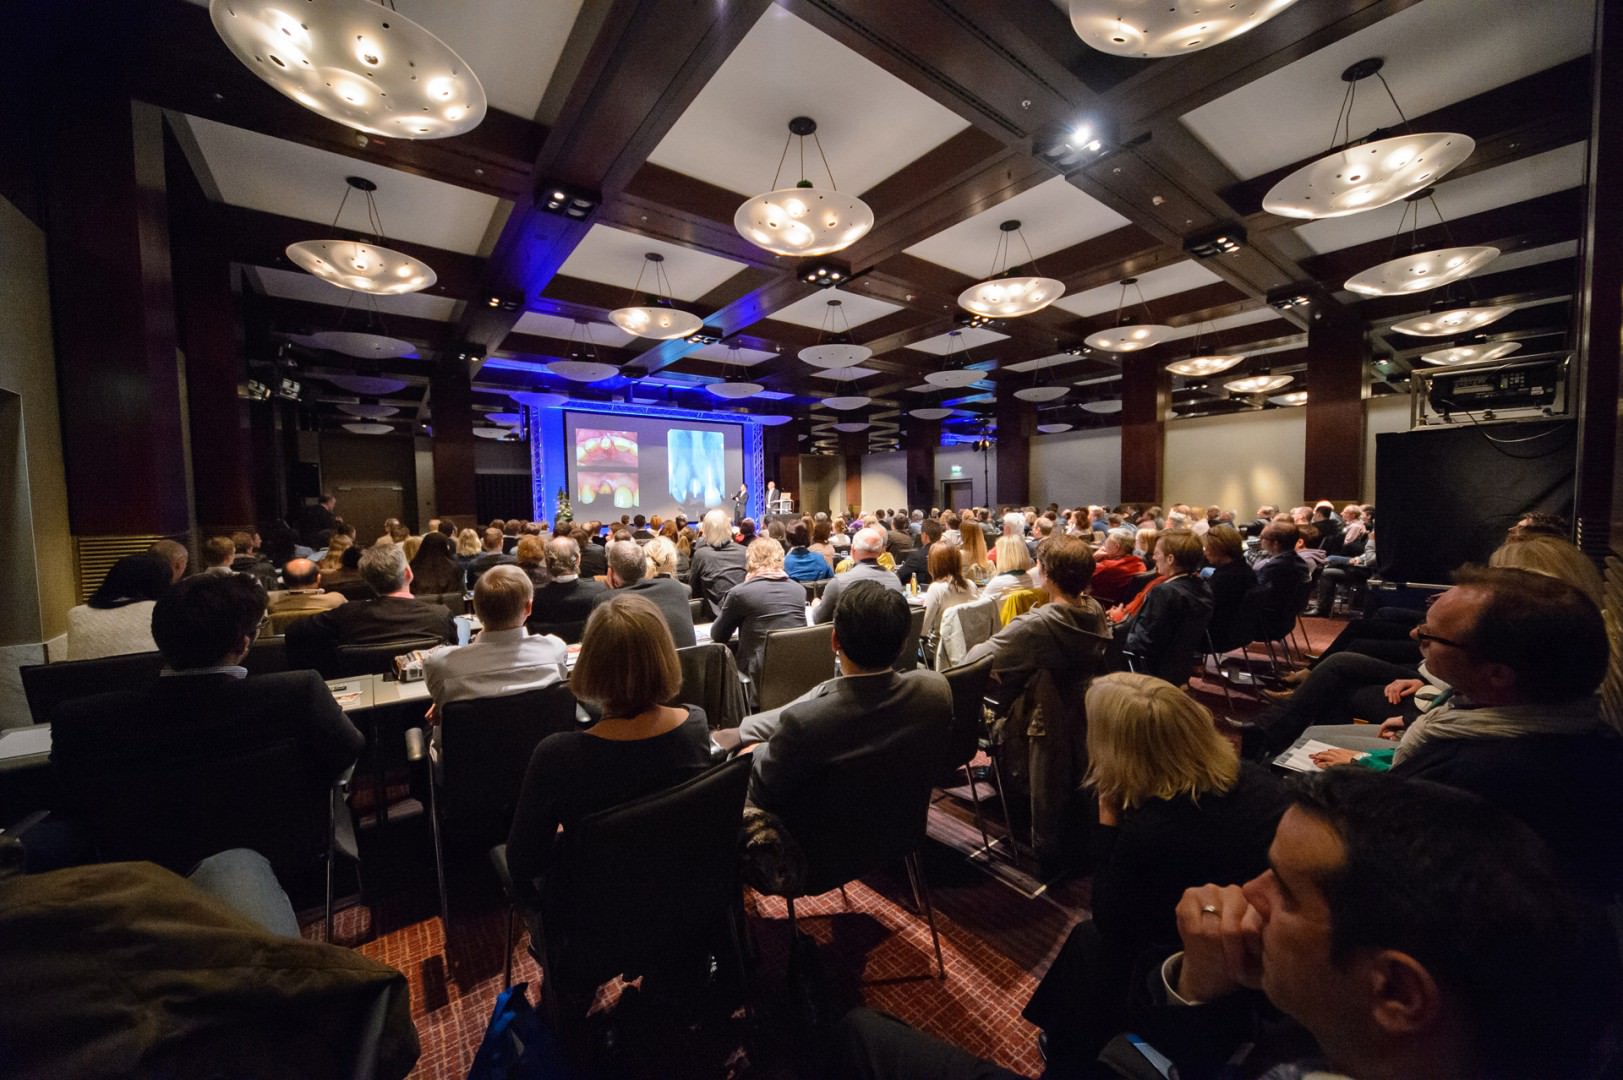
(995,940)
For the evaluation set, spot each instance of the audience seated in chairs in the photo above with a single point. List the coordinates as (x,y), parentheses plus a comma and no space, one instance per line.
(867,549)
(594,559)
(248,560)
(1013,562)
(503,658)
(629,572)
(627,667)
(117,618)
(563,604)
(1115,565)
(1166,634)
(176,554)
(717,564)
(948,588)
(802,563)
(1177,808)
(1231,578)
(917,563)
(393,614)
(766,600)
(531,553)
(1411,930)
(490,554)
(1280,569)
(434,569)
(302,596)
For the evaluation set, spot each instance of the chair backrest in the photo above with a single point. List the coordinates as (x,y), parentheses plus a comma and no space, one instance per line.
(353,590)
(1244,625)
(968,682)
(485,747)
(1183,650)
(571,632)
(1135,585)
(375,658)
(647,879)
(280,620)
(456,602)
(697,607)
(965,626)
(267,656)
(1278,616)
(48,685)
(710,681)
(1017,603)
(792,662)
(908,658)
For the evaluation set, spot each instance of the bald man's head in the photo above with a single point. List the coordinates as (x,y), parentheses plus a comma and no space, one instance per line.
(301,574)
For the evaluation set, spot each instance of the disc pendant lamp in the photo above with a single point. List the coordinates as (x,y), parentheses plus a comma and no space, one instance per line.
(655,315)
(1454,320)
(803,220)
(361,265)
(1126,335)
(358,63)
(1420,270)
(837,351)
(955,372)
(1148,29)
(1011,292)
(1370,173)
(1200,363)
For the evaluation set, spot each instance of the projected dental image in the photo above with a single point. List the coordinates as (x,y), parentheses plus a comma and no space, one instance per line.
(696,463)
(606,468)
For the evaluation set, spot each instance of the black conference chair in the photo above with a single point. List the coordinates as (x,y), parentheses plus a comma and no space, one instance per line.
(635,888)
(968,682)
(711,681)
(375,658)
(48,685)
(571,632)
(792,662)
(475,776)
(908,658)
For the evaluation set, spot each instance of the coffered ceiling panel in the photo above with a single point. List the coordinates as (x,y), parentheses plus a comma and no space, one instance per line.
(1054,215)
(293,285)
(1253,317)
(1167,281)
(1529,178)
(615,257)
(298,181)
(968,338)
(870,122)
(739,357)
(811,311)
(1437,52)
(541,324)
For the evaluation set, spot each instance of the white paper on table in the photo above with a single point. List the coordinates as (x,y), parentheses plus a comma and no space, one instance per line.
(1300,758)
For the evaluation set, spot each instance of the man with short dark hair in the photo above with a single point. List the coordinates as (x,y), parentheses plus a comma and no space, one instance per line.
(917,563)
(870,708)
(318,520)
(394,614)
(491,554)
(628,570)
(898,539)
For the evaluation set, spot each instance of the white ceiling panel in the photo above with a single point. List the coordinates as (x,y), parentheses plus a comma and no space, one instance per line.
(1054,360)
(279,177)
(1244,318)
(1166,281)
(1437,52)
(1529,178)
(615,257)
(556,326)
(1054,215)
(293,285)
(738,357)
(813,310)
(968,338)
(870,122)
(1515,260)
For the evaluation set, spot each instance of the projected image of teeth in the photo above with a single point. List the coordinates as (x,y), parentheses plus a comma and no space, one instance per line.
(695,463)
(597,448)
(603,489)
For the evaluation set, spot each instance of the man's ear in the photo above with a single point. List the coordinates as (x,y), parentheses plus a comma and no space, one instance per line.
(1404,998)
(834,641)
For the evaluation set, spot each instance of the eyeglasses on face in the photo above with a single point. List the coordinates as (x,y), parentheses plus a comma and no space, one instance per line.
(1425,638)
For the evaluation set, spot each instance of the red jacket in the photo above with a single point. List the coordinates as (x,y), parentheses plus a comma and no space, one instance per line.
(1111,577)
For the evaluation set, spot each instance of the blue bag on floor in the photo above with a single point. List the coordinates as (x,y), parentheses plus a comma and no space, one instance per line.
(518,1044)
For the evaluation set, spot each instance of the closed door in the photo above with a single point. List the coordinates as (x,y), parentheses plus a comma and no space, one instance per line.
(368,506)
(957,494)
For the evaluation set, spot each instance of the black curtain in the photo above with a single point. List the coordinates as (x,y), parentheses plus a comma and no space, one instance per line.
(503,495)
(1447,495)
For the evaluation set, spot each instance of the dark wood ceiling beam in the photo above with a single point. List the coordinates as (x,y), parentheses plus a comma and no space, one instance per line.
(212,83)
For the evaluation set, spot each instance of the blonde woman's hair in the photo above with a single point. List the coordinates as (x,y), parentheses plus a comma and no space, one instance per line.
(1012,554)
(973,548)
(661,554)
(334,559)
(763,554)
(411,544)
(1553,557)
(467,543)
(1149,740)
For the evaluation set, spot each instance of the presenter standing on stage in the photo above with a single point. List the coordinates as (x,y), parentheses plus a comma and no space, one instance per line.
(738,503)
(771,496)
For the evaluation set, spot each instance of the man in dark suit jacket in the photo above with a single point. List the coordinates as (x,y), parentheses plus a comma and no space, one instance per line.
(594,558)
(394,615)
(628,569)
(563,604)
(492,555)
(203,702)
(918,559)
(869,709)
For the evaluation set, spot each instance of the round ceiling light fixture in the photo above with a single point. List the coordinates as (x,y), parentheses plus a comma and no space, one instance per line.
(735,390)
(835,355)
(1296,397)
(930,414)
(1041,393)
(368,429)
(954,378)
(1151,30)
(1358,176)
(1471,354)
(1421,271)
(1126,335)
(582,371)
(1053,429)
(803,220)
(1258,384)
(368,266)
(366,385)
(494,434)
(1109,405)
(368,412)
(1009,293)
(654,316)
(363,345)
(852,426)
(847,402)
(538,400)
(1202,366)
(506,419)
(774,420)
(1461,320)
(355,62)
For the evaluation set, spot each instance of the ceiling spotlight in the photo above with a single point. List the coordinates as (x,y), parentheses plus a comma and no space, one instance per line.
(824,275)
(1421,271)
(253,390)
(358,264)
(1068,148)
(1368,174)
(1202,366)
(837,351)
(566,201)
(1008,292)
(1461,320)
(655,316)
(1471,354)
(1288,299)
(1126,335)
(1170,28)
(359,63)
(1257,384)
(704,335)
(1224,241)
(803,220)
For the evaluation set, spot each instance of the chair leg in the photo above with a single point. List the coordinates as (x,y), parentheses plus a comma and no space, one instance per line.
(845,898)
(507,964)
(921,896)
(439,854)
(1008,822)
(794,927)
(739,957)
(980,819)
(332,829)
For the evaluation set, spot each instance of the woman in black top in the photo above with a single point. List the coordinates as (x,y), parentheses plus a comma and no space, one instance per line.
(1177,808)
(1231,578)
(627,666)
(435,570)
